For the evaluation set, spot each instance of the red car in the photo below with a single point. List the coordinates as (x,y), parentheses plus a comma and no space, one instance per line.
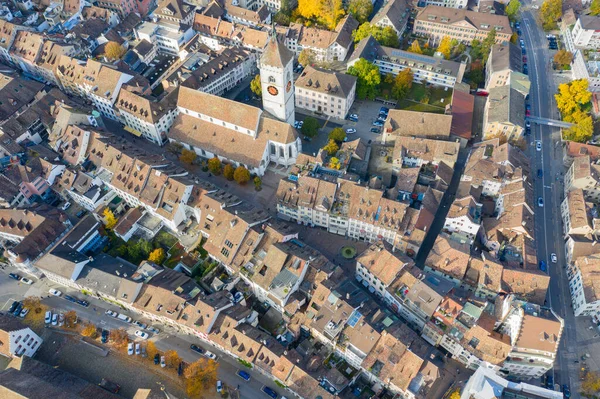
(524,59)
(527,112)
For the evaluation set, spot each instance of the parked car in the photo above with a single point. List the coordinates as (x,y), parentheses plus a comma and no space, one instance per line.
(375,130)
(540,173)
(13,306)
(553,258)
(124,317)
(141,334)
(80,213)
(180,368)
(543,266)
(384,110)
(48,318)
(140,324)
(525,69)
(163,363)
(61,319)
(24,312)
(210,355)
(156,358)
(55,319)
(154,330)
(70,298)
(26,281)
(196,348)
(55,292)
(83,303)
(111,313)
(144,354)
(354,116)
(219,386)
(243,375)
(269,391)
(350,131)
(540,202)
(550,382)
(14,276)
(527,125)
(566,391)
(109,386)
(66,206)
(105,335)
(138,349)
(18,309)
(538,146)
(378,123)
(130,348)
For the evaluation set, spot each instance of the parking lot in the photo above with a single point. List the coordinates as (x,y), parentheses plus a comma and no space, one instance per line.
(84,361)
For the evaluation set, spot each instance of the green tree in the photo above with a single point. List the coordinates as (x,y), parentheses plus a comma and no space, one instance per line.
(241,175)
(332,148)
(385,36)
(487,43)
(214,165)
(310,127)
(228,171)
(187,156)
(595,7)
(338,135)
(368,79)
(256,86)
(306,57)
(445,47)
(360,10)
(415,47)
(282,18)
(402,83)
(550,12)
(512,9)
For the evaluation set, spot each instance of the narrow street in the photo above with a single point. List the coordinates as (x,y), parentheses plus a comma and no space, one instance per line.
(548,221)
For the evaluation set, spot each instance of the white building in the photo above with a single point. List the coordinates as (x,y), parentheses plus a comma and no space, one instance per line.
(169,39)
(584,284)
(486,384)
(435,70)
(586,33)
(277,80)
(90,192)
(448,3)
(464,219)
(16,338)
(325,93)
(393,13)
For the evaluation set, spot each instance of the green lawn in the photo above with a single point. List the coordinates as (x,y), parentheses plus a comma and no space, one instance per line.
(438,98)
(412,106)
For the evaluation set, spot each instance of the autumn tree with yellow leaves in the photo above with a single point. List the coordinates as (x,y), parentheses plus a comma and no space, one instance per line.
(324,12)
(573,102)
(415,47)
(200,376)
(445,47)
(111,220)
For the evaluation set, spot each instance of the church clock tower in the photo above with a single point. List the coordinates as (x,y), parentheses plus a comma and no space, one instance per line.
(277,80)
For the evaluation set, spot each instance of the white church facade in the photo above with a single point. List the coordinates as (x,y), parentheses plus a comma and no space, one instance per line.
(238,133)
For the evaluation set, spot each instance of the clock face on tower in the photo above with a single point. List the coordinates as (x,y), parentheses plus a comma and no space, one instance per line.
(272,90)
(288,86)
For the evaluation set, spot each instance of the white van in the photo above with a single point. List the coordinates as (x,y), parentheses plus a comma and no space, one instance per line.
(124,318)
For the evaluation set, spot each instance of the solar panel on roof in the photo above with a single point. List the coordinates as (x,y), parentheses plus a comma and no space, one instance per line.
(413,56)
(354,318)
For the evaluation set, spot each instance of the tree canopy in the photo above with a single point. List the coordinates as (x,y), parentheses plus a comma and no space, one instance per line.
(306,57)
(368,79)
(385,36)
(360,9)
(445,47)
(113,50)
(595,7)
(550,12)
(402,83)
(214,165)
(157,256)
(573,102)
(310,127)
(256,86)
(111,220)
(241,175)
(563,58)
(512,9)
(324,12)
(200,377)
(338,135)
(187,156)
(228,171)
(331,147)
(415,47)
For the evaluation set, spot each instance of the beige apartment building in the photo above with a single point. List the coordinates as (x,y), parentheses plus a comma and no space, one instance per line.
(463,25)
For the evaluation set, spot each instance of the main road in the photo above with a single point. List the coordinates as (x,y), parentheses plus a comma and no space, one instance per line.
(549,237)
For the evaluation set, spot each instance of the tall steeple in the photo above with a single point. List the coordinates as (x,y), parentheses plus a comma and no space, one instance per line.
(276,76)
